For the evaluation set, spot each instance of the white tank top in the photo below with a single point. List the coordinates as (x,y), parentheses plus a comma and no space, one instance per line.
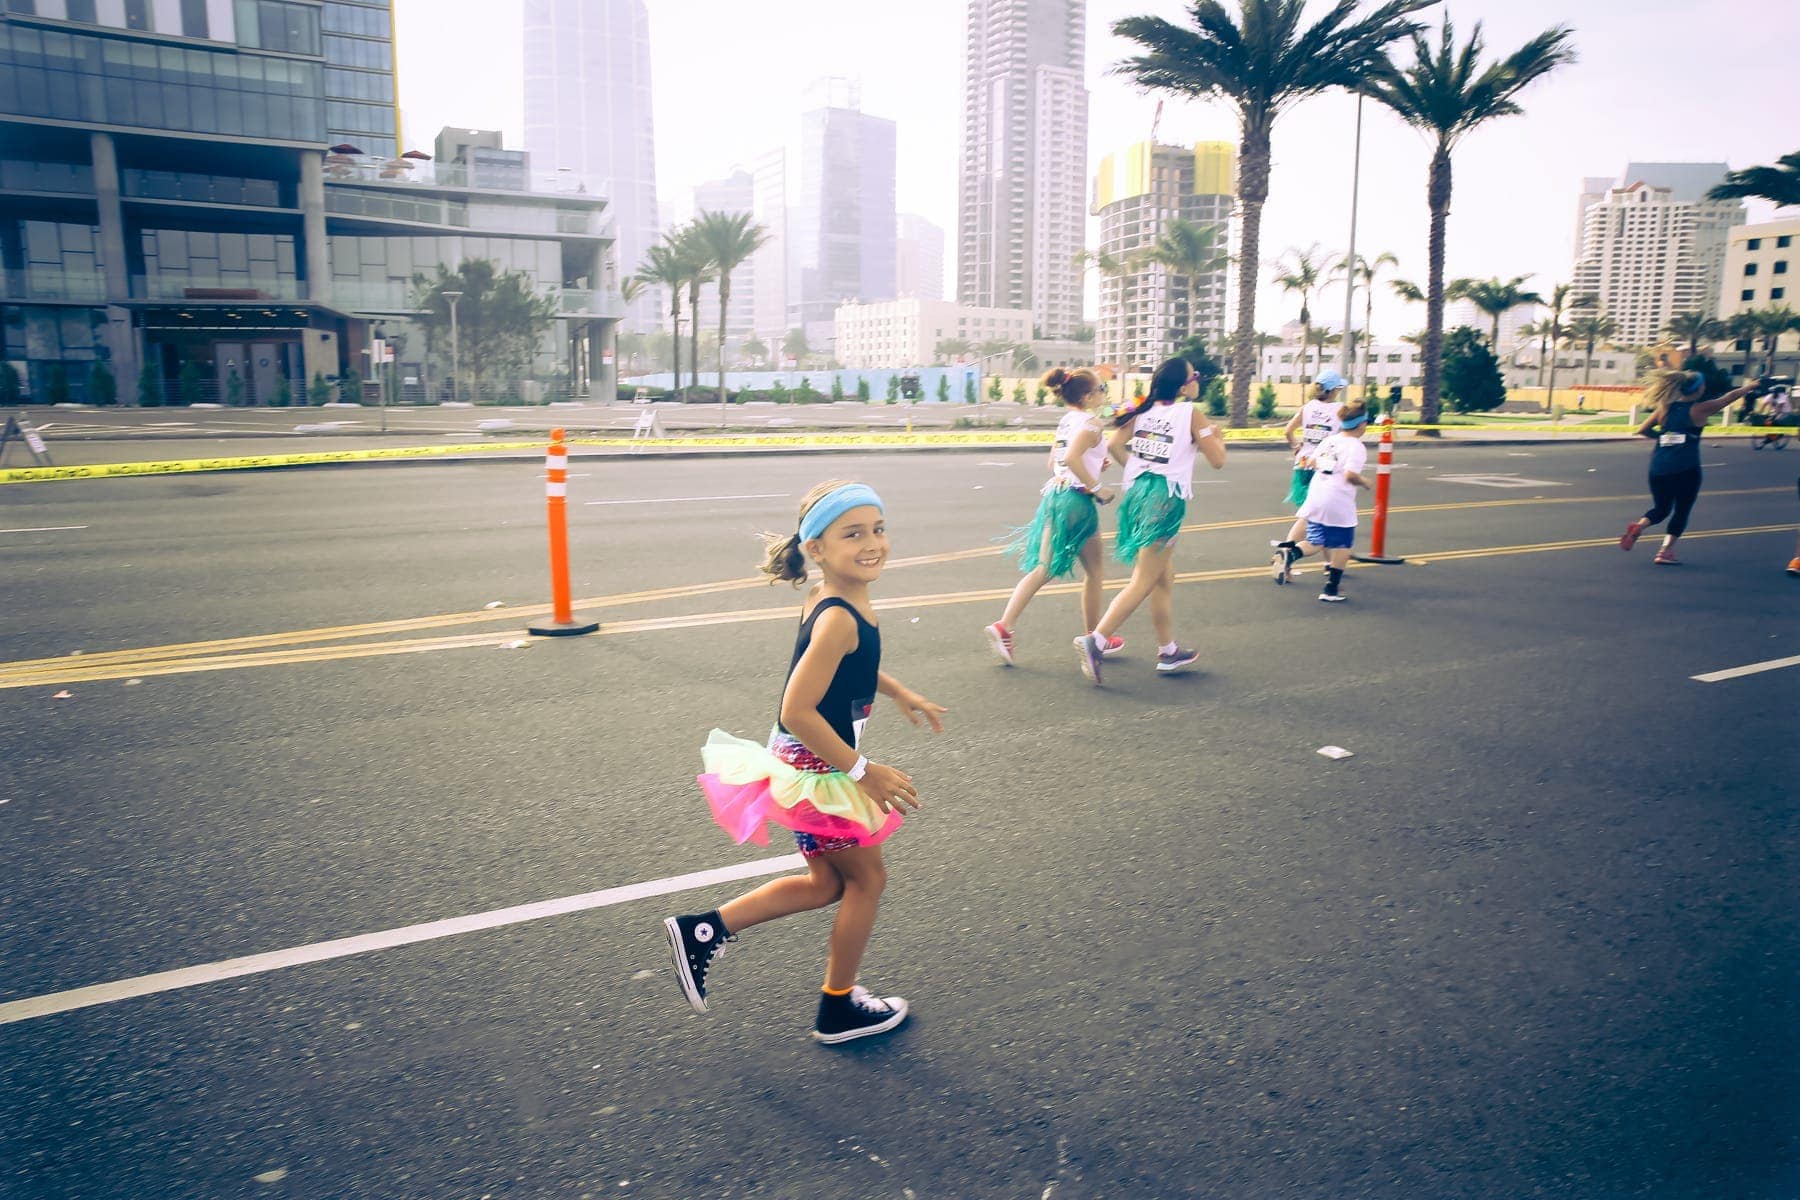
(1162,443)
(1073,422)
(1318,421)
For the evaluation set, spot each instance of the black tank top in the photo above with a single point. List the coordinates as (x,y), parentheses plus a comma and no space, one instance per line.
(1677,442)
(851,695)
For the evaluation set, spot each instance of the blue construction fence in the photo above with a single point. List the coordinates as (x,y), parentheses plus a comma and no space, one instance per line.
(964,382)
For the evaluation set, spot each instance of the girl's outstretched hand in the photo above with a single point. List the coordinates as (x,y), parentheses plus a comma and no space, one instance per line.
(891,790)
(913,706)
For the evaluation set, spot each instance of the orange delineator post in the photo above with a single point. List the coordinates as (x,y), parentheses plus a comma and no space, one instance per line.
(556,501)
(1384,474)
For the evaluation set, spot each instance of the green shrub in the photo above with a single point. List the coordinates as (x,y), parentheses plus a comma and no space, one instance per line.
(862,389)
(1043,395)
(1472,380)
(284,394)
(837,389)
(150,386)
(1216,399)
(234,389)
(318,392)
(10,387)
(190,383)
(994,389)
(1265,402)
(779,394)
(1019,392)
(103,389)
(893,389)
(806,393)
(943,389)
(969,389)
(350,388)
(58,387)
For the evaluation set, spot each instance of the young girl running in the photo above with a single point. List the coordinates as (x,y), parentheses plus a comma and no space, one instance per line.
(812,777)
(1678,416)
(1329,512)
(1066,528)
(1316,420)
(1157,441)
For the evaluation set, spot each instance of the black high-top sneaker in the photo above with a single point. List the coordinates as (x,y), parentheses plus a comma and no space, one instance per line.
(695,942)
(858,1015)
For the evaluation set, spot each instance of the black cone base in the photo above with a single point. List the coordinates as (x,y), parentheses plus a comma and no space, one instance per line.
(1362,558)
(563,628)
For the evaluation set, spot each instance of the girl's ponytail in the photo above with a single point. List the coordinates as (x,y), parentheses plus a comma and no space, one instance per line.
(1165,387)
(784,562)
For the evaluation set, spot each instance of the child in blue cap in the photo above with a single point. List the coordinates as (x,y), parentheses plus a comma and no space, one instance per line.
(1329,512)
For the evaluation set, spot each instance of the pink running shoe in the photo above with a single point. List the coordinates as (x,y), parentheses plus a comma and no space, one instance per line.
(1113,645)
(1001,640)
(1632,533)
(1666,558)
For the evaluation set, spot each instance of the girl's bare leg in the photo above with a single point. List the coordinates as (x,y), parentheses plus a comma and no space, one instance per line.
(1028,586)
(819,887)
(864,875)
(1093,583)
(1144,575)
(1162,602)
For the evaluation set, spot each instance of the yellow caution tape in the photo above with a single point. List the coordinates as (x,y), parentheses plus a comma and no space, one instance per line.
(960,437)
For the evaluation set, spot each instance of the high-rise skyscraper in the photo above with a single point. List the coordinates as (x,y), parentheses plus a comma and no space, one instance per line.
(1022,208)
(841,233)
(1145,310)
(919,266)
(588,113)
(1654,246)
(768,204)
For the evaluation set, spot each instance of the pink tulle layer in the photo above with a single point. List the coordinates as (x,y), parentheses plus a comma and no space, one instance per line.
(743,810)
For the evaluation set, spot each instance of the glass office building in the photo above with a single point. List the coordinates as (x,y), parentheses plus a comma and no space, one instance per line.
(214,187)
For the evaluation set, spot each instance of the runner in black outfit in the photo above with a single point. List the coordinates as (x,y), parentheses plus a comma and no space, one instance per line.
(1677,418)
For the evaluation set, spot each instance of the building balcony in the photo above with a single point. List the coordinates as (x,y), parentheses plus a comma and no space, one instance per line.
(52,285)
(216,289)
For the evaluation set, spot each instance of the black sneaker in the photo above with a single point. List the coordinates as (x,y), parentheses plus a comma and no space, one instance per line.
(858,1015)
(695,943)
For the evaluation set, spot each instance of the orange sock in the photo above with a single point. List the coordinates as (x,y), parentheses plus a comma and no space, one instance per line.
(831,991)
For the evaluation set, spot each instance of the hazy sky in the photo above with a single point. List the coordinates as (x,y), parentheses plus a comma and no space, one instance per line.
(1670,80)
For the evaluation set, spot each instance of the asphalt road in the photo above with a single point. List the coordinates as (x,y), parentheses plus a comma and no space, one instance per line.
(1536,939)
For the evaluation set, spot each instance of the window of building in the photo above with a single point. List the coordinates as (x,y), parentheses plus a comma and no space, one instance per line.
(193,19)
(1753,244)
(27,7)
(137,14)
(1781,266)
(1749,268)
(83,10)
(1783,242)
(1747,294)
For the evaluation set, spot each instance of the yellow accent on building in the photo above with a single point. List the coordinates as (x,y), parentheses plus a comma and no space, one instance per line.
(1128,173)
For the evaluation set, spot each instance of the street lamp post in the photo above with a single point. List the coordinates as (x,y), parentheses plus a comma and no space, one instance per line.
(1347,351)
(455,358)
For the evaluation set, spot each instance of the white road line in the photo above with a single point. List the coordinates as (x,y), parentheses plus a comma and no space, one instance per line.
(695,499)
(257,964)
(1774,664)
(46,529)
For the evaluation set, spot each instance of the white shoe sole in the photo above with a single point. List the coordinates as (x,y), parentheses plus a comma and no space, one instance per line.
(1278,568)
(850,1035)
(682,975)
(1332,599)
(998,646)
(1090,664)
(1173,668)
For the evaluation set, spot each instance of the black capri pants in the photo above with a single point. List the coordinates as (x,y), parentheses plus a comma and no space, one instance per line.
(1675,494)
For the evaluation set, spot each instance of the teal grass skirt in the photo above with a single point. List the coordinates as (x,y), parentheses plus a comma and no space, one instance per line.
(1151,513)
(1297,489)
(1072,517)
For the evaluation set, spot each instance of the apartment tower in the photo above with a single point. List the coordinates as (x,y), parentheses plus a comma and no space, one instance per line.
(1021,218)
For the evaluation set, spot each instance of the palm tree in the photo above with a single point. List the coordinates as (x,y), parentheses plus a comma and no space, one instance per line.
(664,267)
(1589,331)
(1364,273)
(1261,64)
(1780,183)
(794,346)
(1303,271)
(1771,323)
(729,239)
(1447,94)
(1694,328)
(953,347)
(1744,327)
(696,257)
(1186,251)
(1538,331)
(1495,297)
(1562,303)
(754,350)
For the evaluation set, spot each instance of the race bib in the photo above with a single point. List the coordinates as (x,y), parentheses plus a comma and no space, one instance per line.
(1326,461)
(1672,439)
(859,717)
(1153,445)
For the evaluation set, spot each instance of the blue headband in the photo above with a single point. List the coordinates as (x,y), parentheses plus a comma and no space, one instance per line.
(1356,422)
(834,504)
(1694,383)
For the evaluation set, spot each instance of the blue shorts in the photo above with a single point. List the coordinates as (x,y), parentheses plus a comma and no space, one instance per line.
(1330,537)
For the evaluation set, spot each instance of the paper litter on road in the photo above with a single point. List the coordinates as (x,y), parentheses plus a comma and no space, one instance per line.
(133,682)
(519,644)
(1335,752)
(495,604)
(65,695)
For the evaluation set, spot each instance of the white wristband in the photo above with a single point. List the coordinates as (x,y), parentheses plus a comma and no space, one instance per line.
(859,769)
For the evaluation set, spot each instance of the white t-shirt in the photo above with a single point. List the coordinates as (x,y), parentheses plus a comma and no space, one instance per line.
(1331,497)
(1162,443)
(1318,421)
(1073,422)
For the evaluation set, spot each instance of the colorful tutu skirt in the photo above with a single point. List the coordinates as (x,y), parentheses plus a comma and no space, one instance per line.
(748,786)
(1071,516)
(1150,514)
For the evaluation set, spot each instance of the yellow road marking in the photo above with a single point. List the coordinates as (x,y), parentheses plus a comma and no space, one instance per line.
(89,673)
